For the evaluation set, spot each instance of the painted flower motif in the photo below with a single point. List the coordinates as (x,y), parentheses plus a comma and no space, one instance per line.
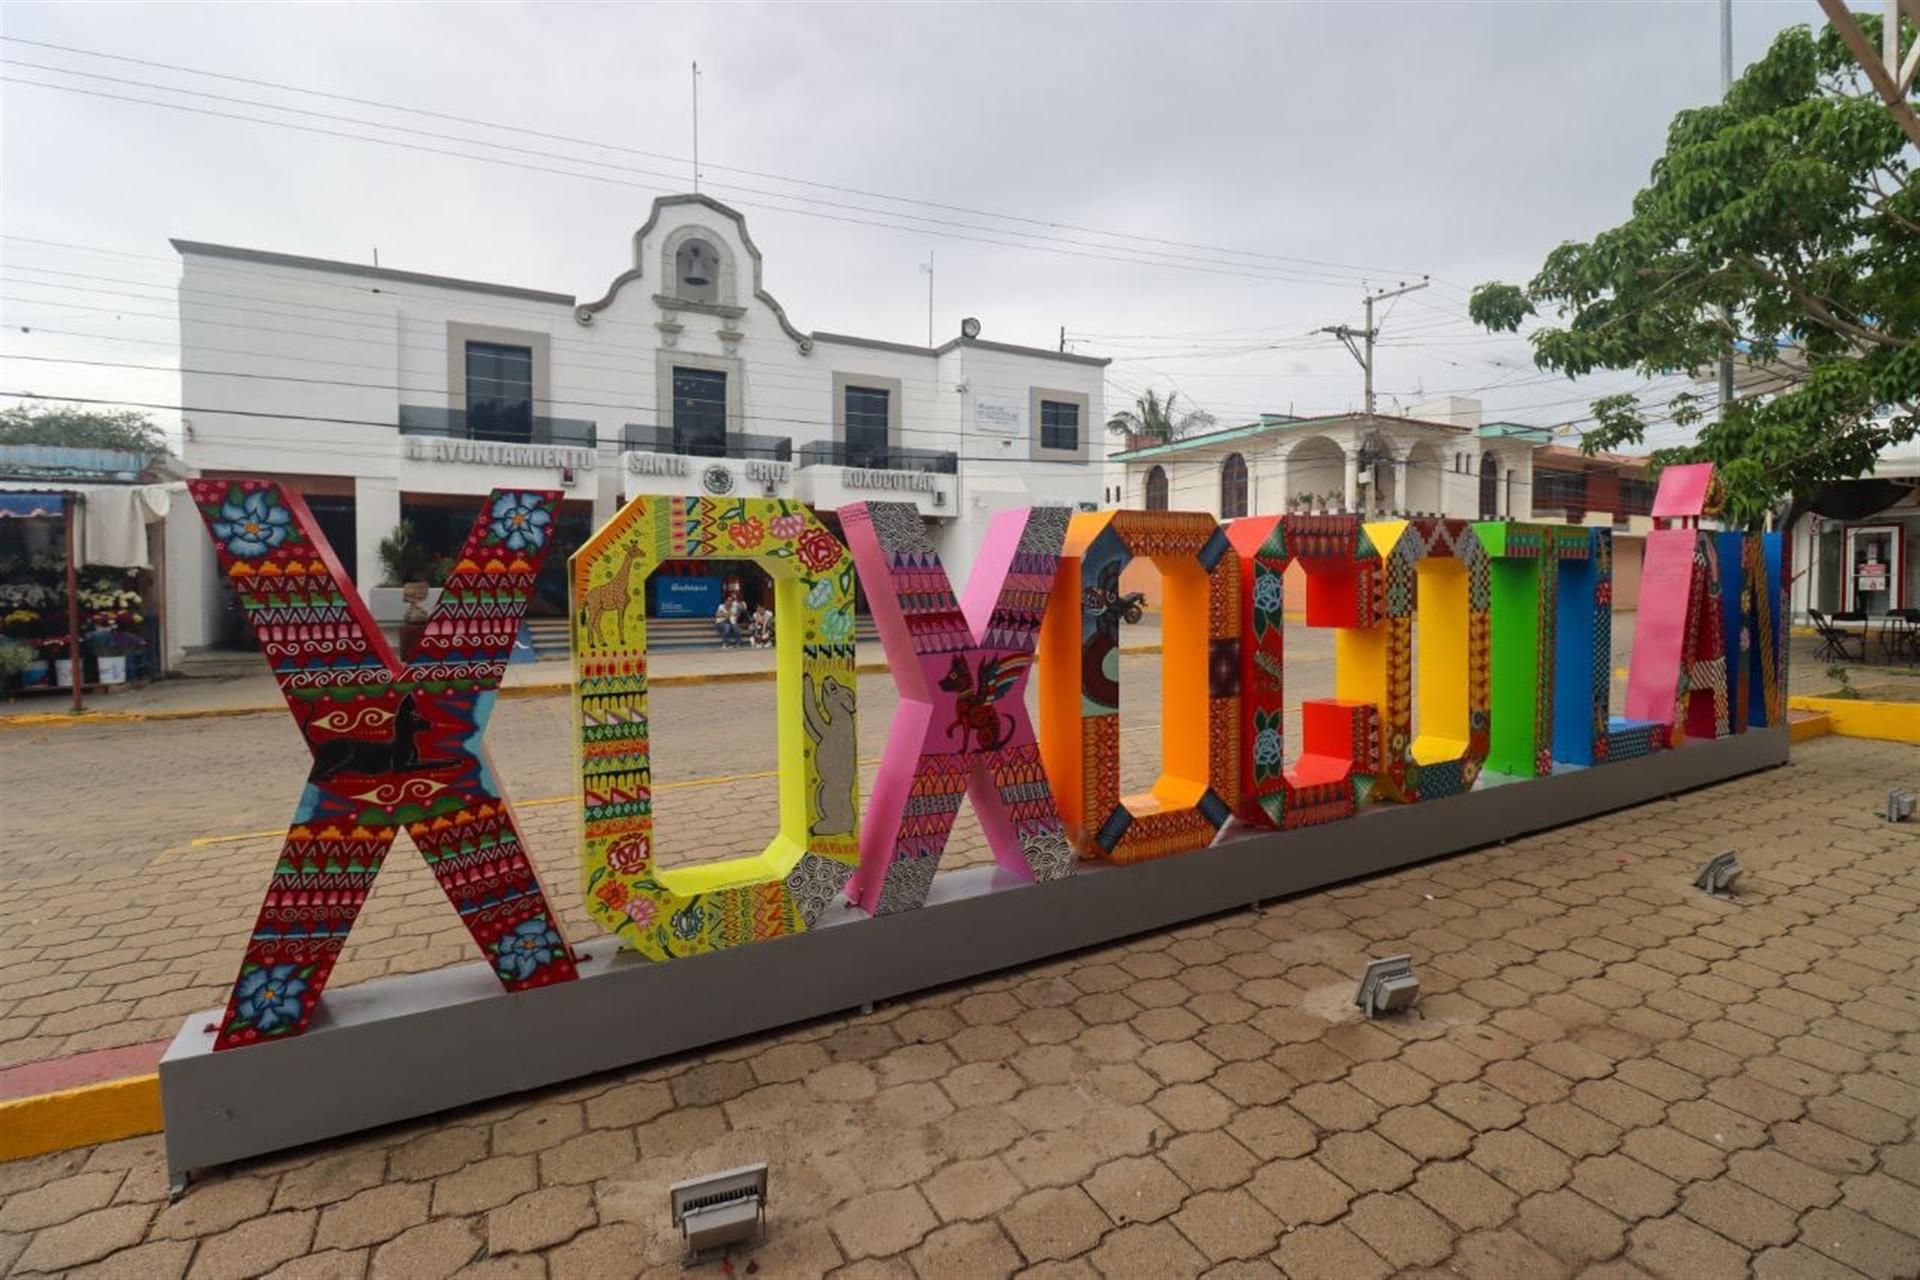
(787,526)
(628,855)
(642,911)
(519,520)
(252,526)
(269,997)
(1266,592)
(748,534)
(819,593)
(1266,748)
(613,893)
(818,550)
(836,627)
(687,922)
(520,954)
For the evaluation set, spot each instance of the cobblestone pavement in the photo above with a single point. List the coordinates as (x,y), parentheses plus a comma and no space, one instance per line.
(1608,1074)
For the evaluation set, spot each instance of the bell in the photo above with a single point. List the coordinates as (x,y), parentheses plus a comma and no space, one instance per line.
(696,272)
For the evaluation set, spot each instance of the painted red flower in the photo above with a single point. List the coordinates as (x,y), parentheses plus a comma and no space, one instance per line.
(748,534)
(628,855)
(818,550)
(613,893)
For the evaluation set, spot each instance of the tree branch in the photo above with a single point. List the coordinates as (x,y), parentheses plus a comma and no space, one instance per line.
(1821,311)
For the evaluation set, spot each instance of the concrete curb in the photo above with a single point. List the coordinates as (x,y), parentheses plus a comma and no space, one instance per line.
(545,689)
(1863,718)
(80,1117)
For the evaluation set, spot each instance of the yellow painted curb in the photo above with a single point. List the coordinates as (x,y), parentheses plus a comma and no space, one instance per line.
(1815,725)
(545,689)
(1862,718)
(79,1117)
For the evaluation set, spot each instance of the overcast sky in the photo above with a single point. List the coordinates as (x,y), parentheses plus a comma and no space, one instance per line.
(1314,147)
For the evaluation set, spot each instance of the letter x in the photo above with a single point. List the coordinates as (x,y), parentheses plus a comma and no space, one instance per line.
(394,745)
(961,726)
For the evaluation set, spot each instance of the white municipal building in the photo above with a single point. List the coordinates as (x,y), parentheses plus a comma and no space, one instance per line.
(384,395)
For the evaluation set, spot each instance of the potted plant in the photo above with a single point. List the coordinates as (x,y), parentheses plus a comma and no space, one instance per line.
(15,659)
(110,650)
(408,565)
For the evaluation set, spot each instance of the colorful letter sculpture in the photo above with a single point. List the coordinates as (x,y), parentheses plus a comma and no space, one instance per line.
(961,726)
(665,913)
(1199,681)
(1751,643)
(1342,591)
(1678,676)
(392,746)
(1526,564)
(1433,571)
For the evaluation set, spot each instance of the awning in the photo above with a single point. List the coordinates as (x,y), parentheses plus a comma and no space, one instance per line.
(113,517)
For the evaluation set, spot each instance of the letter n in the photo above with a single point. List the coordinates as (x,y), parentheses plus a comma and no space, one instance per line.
(394,745)
(961,726)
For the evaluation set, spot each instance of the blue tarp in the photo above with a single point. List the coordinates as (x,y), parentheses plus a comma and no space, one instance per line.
(24,506)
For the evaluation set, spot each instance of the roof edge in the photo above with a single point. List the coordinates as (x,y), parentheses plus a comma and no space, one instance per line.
(235,253)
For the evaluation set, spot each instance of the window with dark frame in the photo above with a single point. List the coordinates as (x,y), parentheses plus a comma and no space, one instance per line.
(1233,487)
(700,412)
(1060,425)
(1157,489)
(867,414)
(499,392)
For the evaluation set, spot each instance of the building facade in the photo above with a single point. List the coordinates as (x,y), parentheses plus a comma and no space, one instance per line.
(385,395)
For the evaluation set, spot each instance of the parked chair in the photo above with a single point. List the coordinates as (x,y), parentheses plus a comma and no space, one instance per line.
(1833,641)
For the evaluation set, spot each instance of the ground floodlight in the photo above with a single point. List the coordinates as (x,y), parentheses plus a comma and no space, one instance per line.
(720,1210)
(1387,986)
(1899,805)
(1719,873)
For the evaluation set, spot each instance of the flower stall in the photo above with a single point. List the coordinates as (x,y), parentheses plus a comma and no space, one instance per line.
(76,587)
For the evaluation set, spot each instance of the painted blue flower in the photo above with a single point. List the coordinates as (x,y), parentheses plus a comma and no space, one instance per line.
(1266,747)
(1266,592)
(819,593)
(269,997)
(519,520)
(252,526)
(531,944)
(837,626)
(687,922)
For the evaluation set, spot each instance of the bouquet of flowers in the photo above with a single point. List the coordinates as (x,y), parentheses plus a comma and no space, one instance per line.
(110,643)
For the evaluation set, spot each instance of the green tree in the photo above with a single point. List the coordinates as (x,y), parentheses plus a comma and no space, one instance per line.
(1157,421)
(1781,220)
(79,428)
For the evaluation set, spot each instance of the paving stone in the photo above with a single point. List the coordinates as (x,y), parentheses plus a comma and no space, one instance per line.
(1572,1128)
(330,1179)
(1677,1249)
(1678,1155)
(59,1201)
(629,1104)
(1570,1227)
(1860,1242)
(155,1260)
(437,1152)
(1504,1255)
(86,1238)
(253,1248)
(1464,1194)
(1526,1082)
(1521,1161)
(1149,1251)
(1743,1216)
(1619,1103)
(430,1252)
(1227,1224)
(1300,1191)
(1798,1262)
(1274,1132)
(590,1156)
(1056,1223)
(1424,1132)
(1400,1230)
(376,1214)
(1210,1161)
(1625,1187)
(970,1189)
(1713,1123)
(539,1219)
(485,1185)
(1365,1161)
(1792,1183)
(1335,1106)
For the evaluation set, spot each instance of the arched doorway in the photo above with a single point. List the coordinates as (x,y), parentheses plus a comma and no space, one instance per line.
(1233,487)
(1316,469)
(1489,487)
(1157,488)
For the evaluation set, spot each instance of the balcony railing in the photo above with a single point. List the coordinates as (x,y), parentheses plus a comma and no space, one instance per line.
(838,453)
(458,424)
(738,444)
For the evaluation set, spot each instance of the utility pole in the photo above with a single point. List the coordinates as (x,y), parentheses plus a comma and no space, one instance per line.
(1726,313)
(927,267)
(1063,339)
(1362,349)
(696,128)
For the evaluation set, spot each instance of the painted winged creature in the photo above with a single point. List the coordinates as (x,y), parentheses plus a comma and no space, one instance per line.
(975,718)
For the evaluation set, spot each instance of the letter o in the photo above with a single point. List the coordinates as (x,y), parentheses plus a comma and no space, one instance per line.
(668,913)
(1199,679)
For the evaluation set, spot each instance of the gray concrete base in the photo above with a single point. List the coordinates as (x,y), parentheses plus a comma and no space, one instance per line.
(398,1048)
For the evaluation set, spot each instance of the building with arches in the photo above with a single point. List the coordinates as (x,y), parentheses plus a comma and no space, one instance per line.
(383,395)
